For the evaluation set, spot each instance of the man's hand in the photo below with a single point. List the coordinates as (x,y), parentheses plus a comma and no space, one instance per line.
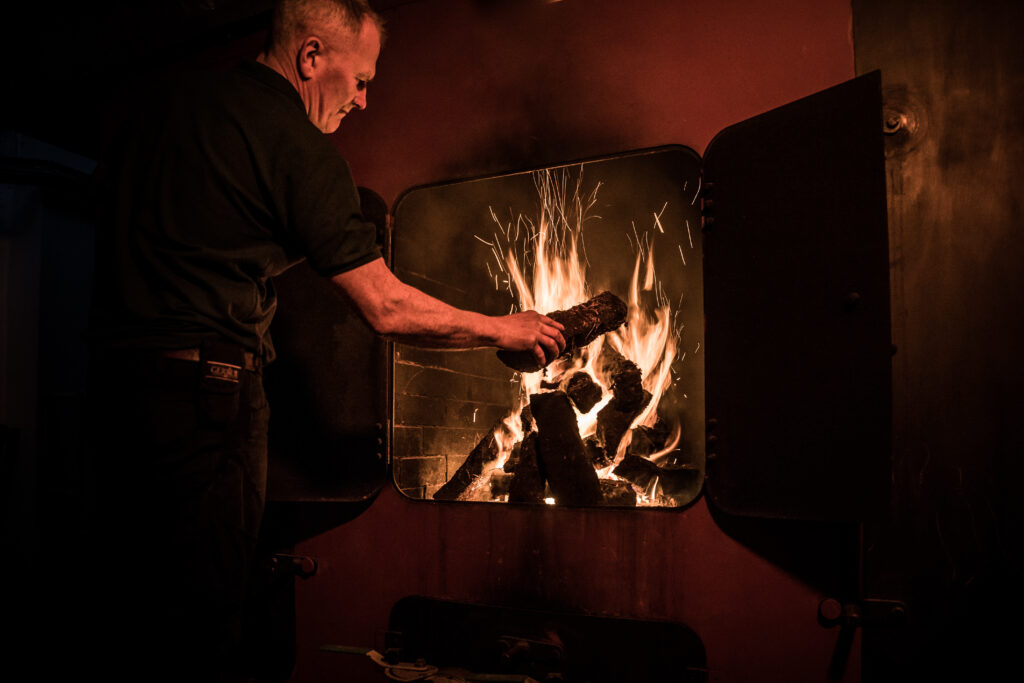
(397,311)
(530,331)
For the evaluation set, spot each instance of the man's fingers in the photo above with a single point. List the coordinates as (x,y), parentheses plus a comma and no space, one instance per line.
(551,348)
(553,322)
(542,335)
(559,341)
(538,354)
(546,350)
(552,329)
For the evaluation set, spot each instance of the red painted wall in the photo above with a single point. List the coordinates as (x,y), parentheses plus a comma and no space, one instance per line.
(465,88)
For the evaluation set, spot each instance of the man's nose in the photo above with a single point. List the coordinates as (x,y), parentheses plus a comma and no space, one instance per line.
(360,100)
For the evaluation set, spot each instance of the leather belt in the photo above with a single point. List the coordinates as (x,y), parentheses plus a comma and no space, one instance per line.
(252,363)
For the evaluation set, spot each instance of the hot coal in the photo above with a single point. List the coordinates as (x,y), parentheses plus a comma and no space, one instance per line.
(642,443)
(526,418)
(473,468)
(647,440)
(513,458)
(527,485)
(583,323)
(617,492)
(560,451)
(637,470)
(583,391)
(500,483)
(675,482)
(553,460)
(613,421)
(595,451)
(628,399)
(624,376)
(681,482)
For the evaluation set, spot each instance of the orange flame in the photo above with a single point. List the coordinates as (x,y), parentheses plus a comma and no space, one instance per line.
(556,279)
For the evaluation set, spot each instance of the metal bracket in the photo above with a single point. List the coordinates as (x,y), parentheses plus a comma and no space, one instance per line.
(291,565)
(381,448)
(707,205)
(864,614)
(850,617)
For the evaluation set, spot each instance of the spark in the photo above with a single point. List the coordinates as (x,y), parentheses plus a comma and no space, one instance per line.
(689,234)
(682,255)
(697,193)
(497,258)
(657,218)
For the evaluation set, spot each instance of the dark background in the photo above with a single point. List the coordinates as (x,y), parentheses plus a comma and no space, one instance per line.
(471,87)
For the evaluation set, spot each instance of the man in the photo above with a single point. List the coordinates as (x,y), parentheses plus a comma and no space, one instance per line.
(219,183)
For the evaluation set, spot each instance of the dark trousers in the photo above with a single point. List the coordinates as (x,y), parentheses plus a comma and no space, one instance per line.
(180,459)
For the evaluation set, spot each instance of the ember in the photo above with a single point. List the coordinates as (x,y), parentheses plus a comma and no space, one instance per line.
(587,430)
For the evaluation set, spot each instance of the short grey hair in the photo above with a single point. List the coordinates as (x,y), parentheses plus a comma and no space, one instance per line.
(296,19)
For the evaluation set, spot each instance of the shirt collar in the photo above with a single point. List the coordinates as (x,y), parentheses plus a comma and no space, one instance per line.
(273,79)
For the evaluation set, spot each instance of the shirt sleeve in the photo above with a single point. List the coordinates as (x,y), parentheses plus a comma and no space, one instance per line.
(323,211)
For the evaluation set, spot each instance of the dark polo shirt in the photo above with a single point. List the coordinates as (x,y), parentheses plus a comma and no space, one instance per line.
(217,184)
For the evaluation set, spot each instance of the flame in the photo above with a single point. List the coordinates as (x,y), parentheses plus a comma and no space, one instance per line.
(649,340)
(547,271)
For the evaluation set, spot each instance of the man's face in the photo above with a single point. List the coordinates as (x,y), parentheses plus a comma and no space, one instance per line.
(341,83)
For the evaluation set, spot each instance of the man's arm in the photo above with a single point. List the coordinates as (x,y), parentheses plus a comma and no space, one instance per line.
(403,313)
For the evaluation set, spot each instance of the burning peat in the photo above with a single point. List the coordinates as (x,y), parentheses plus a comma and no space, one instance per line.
(587,430)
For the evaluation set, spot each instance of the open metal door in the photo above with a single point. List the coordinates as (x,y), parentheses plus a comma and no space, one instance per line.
(796,291)
(327,390)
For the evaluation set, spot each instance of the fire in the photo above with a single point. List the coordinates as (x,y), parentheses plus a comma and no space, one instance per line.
(543,265)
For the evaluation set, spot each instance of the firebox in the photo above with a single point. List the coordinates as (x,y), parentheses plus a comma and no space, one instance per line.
(742,348)
(624,228)
(752,349)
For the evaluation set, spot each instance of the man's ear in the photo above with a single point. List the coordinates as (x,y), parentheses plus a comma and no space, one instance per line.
(310,54)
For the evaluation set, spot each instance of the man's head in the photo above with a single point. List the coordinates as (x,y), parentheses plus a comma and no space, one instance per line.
(328,49)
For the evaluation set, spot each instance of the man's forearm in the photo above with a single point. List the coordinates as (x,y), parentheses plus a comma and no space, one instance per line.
(403,313)
(414,317)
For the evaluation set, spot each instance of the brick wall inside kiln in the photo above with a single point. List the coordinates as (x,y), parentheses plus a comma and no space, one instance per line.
(445,402)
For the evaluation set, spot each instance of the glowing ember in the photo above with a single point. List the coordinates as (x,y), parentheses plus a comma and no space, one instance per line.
(543,265)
